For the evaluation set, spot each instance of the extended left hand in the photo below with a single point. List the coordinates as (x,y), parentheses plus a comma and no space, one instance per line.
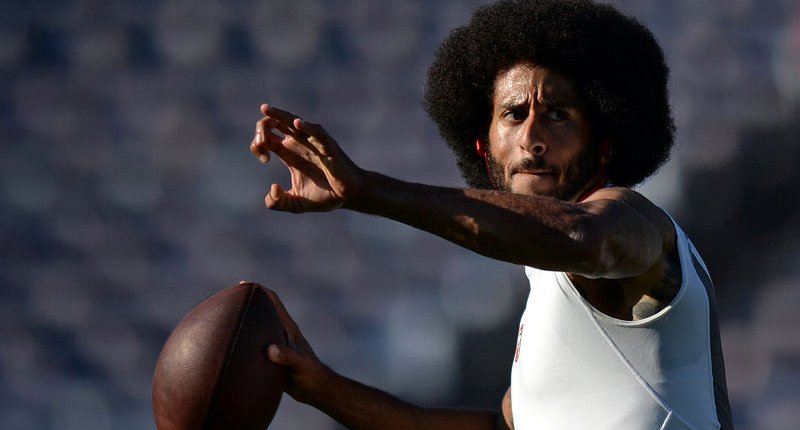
(323,177)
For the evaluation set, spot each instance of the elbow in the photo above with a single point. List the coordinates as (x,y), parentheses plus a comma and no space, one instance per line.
(593,258)
(613,255)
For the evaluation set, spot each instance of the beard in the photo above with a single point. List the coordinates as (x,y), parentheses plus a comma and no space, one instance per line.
(577,174)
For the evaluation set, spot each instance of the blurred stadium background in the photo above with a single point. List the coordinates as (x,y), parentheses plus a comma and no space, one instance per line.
(128,195)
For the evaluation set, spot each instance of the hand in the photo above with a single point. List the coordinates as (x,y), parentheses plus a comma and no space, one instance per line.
(306,372)
(323,176)
(352,403)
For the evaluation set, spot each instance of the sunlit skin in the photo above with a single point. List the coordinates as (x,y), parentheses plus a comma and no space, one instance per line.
(616,246)
(540,136)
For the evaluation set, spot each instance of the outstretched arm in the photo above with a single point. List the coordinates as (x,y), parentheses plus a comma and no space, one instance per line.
(604,236)
(615,233)
(353,404)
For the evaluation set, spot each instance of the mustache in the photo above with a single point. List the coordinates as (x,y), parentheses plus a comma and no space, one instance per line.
(531,163)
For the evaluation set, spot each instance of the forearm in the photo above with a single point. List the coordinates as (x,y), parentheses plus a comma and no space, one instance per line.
(360,407)
(521,229)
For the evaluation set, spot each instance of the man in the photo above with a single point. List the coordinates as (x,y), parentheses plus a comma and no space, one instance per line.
(553,109)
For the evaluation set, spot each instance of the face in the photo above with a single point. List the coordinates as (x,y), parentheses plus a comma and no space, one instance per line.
(540,136)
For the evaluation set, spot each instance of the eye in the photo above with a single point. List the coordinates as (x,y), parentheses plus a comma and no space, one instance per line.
(555,114)
(516,114)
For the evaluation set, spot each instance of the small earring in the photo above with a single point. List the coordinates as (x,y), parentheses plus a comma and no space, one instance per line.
(480,148)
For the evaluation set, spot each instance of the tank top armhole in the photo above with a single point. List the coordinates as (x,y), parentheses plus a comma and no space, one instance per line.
(684,255)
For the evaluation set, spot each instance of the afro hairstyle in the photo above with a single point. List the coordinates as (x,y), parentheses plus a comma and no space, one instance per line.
(615,62)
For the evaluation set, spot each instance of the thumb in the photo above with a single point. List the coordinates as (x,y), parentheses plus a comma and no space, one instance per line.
(274,195)
(283,355)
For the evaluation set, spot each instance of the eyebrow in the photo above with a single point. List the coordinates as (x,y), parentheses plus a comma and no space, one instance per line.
(513,101)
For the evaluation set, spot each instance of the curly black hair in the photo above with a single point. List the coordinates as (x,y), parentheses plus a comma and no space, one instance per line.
(614,60)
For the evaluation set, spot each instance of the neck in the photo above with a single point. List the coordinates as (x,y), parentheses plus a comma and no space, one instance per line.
(599,183)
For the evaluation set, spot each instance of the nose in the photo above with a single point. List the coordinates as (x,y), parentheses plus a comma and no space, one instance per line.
(533,142)
(537,148)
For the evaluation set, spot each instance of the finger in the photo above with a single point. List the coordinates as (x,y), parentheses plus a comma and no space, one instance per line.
(259,150)
(283,314)
(273,197)
(268,137)
(267,127)
(310,128)
(266,124)
(284,117)
(296,343)
(279,114)
(259,146)
(309,134)
(280,200)
(319,139)
(277,128)
(287,201)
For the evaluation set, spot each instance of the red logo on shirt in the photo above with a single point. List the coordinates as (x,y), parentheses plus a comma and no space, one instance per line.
(519,343)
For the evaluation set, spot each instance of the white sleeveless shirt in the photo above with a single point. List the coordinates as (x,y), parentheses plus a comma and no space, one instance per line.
(577,368)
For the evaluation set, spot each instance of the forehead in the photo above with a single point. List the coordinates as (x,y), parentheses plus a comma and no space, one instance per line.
(527,81)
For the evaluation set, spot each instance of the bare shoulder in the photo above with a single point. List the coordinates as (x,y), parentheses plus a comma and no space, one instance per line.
(631,199)
(623,194)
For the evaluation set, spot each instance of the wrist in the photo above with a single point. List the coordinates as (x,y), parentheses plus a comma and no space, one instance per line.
(322,385)
(325,390)
(358,200)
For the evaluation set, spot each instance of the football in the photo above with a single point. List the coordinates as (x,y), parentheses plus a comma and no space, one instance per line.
(213,372)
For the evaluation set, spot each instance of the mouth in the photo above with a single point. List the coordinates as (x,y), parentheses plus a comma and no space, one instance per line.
(533,167)
(533,172)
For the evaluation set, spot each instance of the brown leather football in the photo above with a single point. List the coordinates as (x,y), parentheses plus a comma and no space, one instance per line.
(213,372)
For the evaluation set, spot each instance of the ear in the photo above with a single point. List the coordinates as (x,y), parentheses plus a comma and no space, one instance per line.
(605,151)
(481,148)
